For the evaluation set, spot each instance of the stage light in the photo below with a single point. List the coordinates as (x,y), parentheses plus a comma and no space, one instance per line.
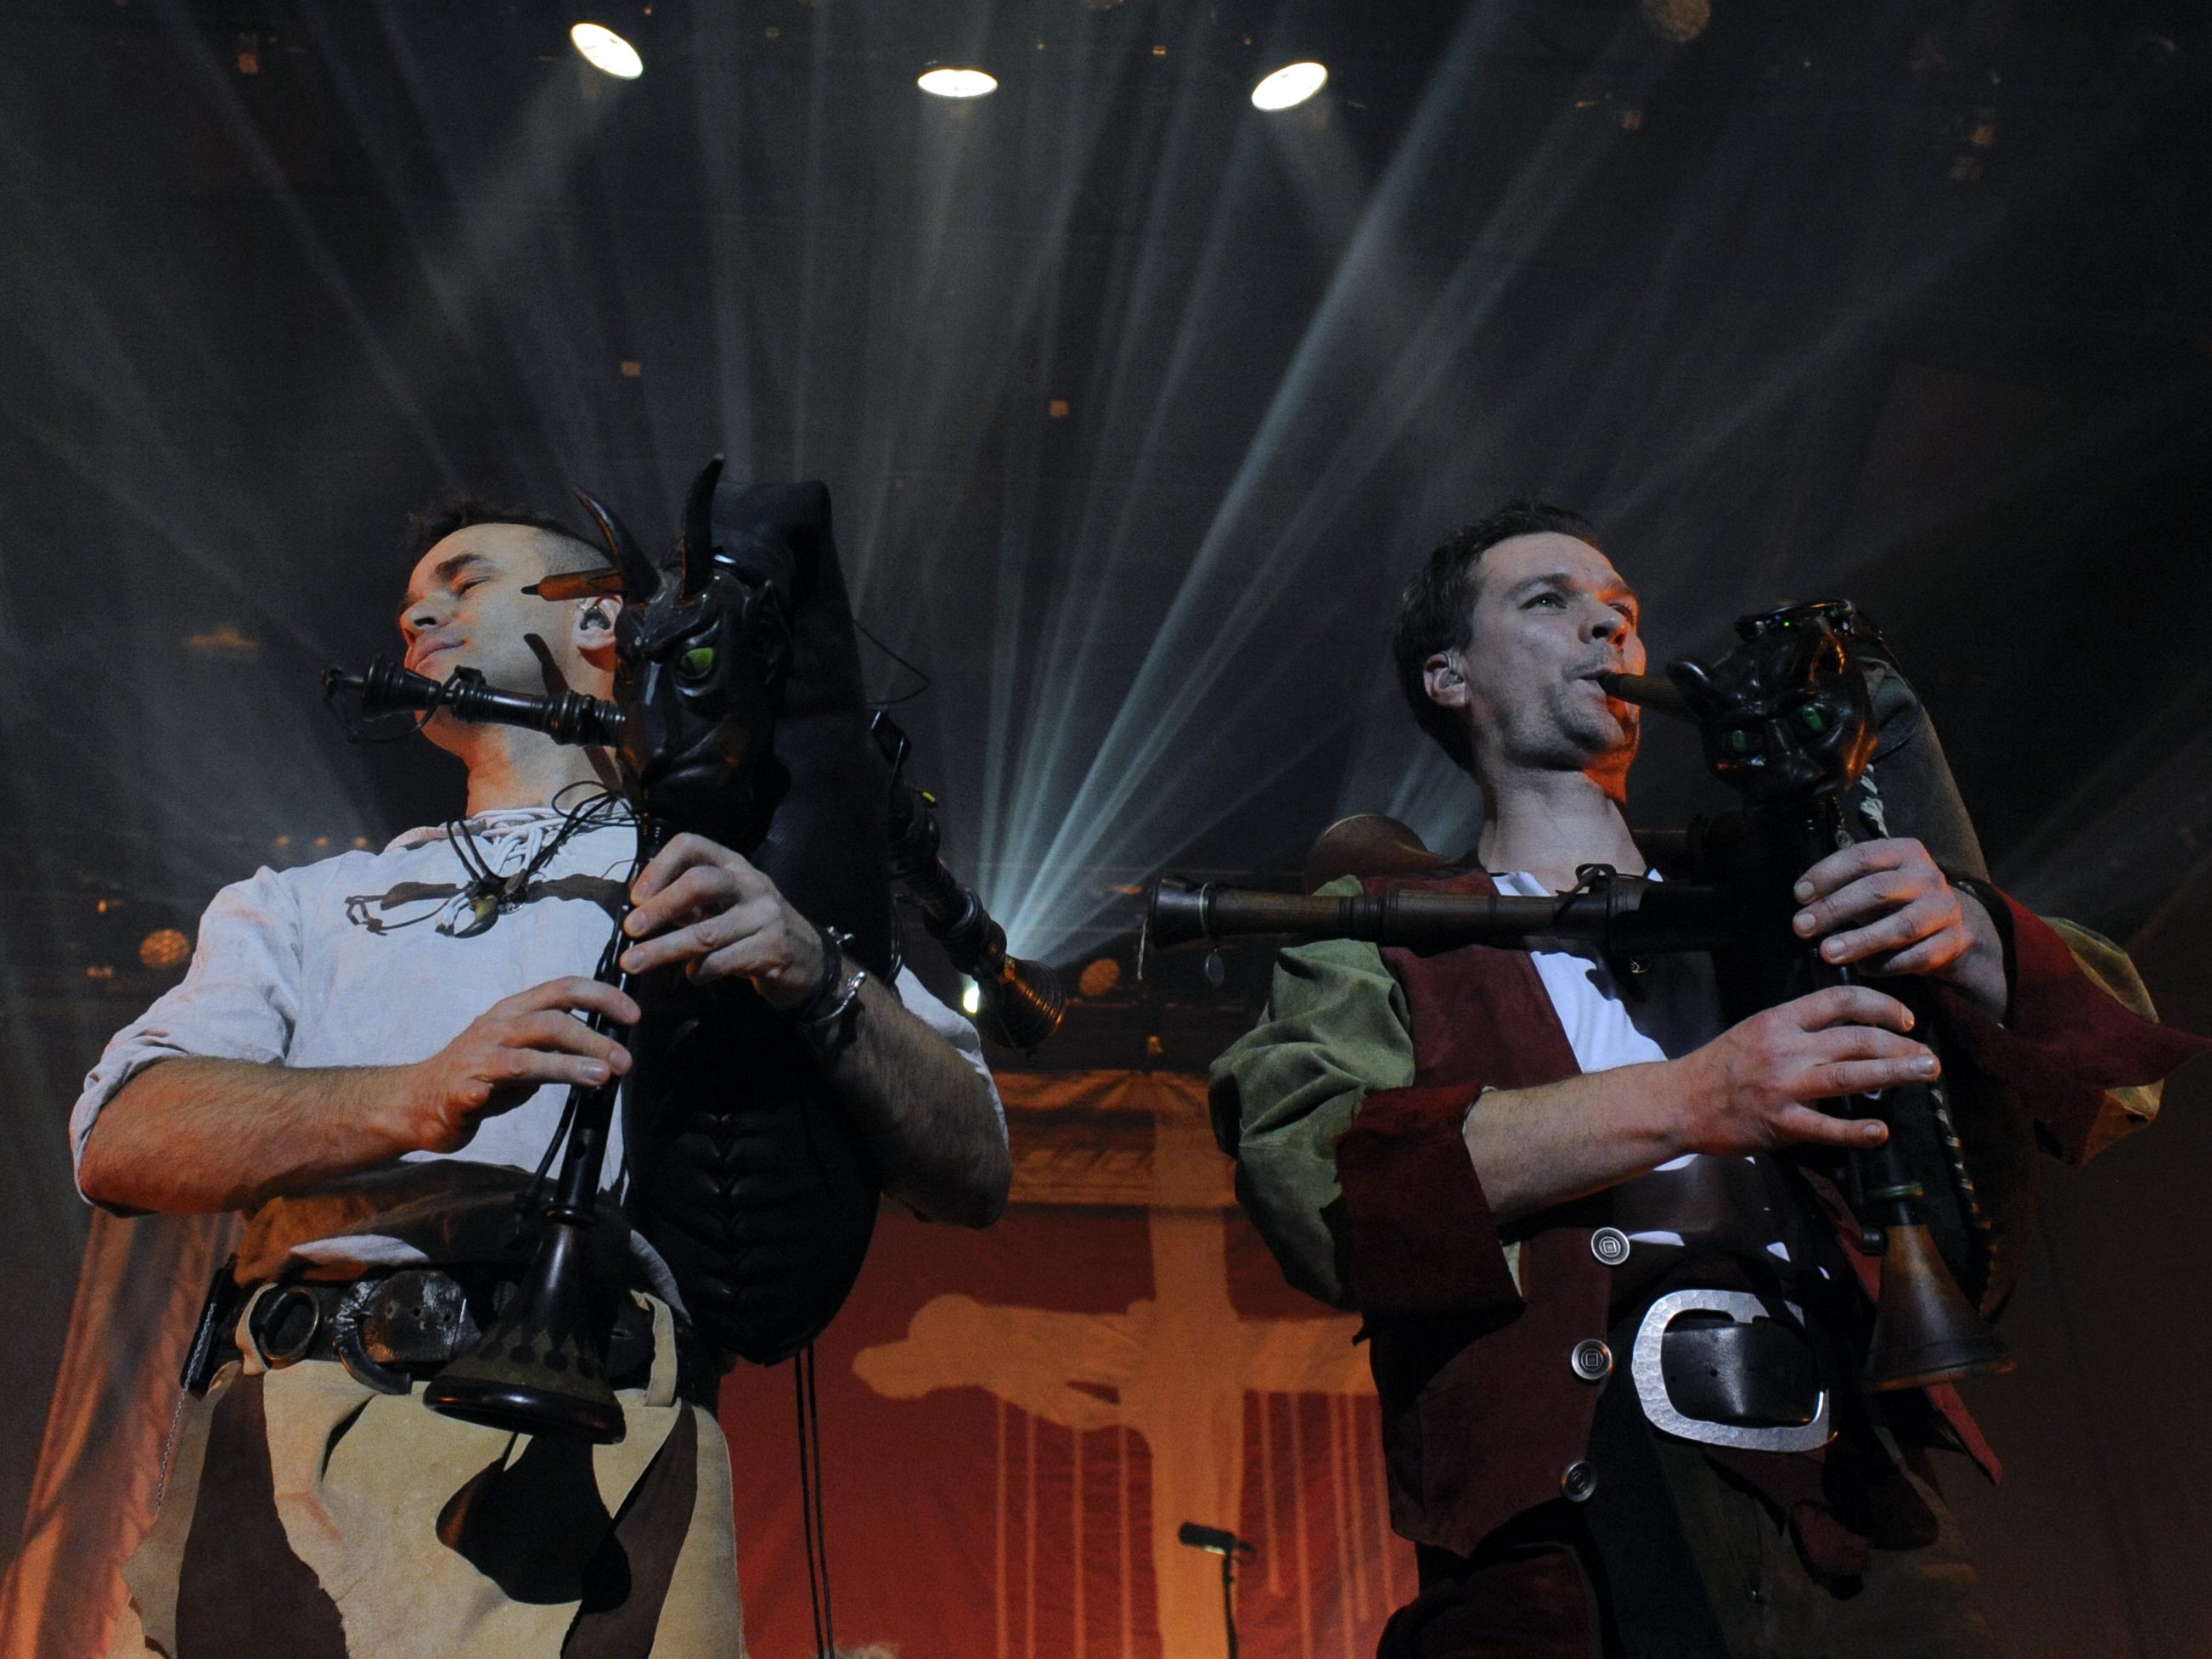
(1099,978)
(949,82)
(607,51)
(971,997)
(1290,86)
(163,949)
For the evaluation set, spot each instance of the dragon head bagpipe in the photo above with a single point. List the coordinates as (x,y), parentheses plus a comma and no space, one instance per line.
(744,720)
(737,715)
(1807,721)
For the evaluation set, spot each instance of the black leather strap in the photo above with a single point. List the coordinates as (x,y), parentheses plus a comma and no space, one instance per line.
(1762,1375)
(400,1327)
(1652,1586)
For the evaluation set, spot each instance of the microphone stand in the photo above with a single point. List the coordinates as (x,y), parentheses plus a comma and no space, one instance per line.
(1213,1540)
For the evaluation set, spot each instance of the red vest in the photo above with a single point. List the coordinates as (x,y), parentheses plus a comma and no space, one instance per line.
(1482,1412)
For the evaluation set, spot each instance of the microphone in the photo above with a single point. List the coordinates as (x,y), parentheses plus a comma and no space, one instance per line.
(1212,1540)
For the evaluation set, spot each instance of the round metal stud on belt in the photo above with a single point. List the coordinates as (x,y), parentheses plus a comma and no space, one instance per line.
(1591,1359)
(1577,1481)
(284,1321)
(1610,1246)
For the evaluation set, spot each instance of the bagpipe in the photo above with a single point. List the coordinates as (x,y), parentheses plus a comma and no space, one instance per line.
(738,715)
(1809,722)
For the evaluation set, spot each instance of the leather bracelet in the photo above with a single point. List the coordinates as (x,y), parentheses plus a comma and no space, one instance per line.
(824,1019)
(848,997)
(830,942)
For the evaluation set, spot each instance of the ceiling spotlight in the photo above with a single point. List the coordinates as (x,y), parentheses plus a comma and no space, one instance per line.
(947,82)
(1289,85)
(607,51)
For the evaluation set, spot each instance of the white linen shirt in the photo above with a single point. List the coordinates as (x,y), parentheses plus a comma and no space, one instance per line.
(341,962)
(1679,1010)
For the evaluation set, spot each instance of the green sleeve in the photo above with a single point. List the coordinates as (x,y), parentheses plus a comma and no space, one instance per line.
(1335,1029)
(2127,1106)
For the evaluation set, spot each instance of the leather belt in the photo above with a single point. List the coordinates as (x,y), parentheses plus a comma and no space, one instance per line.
(1719,1368)
(390,1330)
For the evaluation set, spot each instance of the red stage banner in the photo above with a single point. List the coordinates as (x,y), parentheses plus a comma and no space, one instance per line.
(1015,1423)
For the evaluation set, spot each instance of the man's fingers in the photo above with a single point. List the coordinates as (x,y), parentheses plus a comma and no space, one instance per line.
(701,938)
(1865,1077)
(685,893)
(558,1033)
(671,861)
(1923,919)
(685,853)
(573,992)
(703,891)
(1840,1042)
(681,945)
(1849,1004)
(1839,869)
(1870,895)
(1802,1123)
(1930,956)
(534,1068)
(751,955)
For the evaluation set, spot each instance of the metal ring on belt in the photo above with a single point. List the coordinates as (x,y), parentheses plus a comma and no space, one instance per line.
(1746,1379)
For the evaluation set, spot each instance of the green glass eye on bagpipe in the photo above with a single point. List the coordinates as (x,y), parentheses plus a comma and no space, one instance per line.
(1789,721)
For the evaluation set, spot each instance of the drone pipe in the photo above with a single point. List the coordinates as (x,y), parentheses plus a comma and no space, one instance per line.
(1021,1002)
(566,717)
(1621,913)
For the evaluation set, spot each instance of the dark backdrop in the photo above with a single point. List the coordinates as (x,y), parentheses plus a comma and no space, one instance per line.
(1137,406)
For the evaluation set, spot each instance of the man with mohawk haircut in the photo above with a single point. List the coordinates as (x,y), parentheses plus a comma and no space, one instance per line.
(366,1059)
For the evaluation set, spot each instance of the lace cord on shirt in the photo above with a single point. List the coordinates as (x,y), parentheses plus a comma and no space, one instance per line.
(490,894)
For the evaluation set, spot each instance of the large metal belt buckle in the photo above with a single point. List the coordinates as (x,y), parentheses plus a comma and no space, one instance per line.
(418,1316)
(1647,1367)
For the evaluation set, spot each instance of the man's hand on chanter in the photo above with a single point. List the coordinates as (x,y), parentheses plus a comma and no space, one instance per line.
(1884,908)
(1752,1089)
(508,1053)
(699,904)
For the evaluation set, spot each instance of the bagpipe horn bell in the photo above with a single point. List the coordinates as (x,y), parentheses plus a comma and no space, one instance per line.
(542,1368)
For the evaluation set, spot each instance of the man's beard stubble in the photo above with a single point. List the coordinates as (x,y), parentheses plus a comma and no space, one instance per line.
(1573,733)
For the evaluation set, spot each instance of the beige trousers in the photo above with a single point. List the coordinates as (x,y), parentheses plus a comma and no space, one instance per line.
(307,1516)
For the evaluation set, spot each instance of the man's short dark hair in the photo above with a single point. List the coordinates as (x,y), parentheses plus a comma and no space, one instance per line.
(565,550)
(1438,605)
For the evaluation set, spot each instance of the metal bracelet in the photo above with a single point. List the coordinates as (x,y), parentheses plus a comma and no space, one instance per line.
(824,1020)
(828,1032)
(847,994)
(832,942)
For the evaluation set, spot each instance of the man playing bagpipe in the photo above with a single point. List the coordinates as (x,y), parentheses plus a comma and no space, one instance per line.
(370,1053)
(1606,1215)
